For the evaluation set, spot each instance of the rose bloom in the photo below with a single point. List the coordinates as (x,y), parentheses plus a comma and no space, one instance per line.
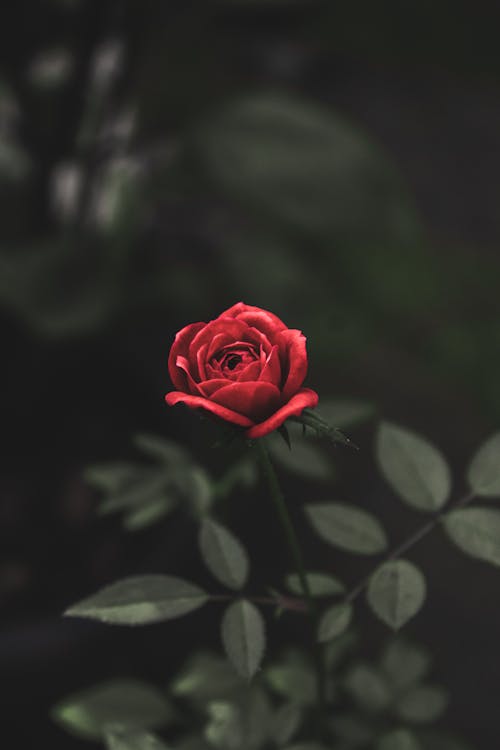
(246,367)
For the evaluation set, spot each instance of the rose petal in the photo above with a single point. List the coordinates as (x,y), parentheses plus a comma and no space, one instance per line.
(254,399)
(271,372)
(193,386)
(198,402)
(227,330)
(305,398)
(293,353)
(250,372)
(210,386)
(181,347)
(242,311)
(200,362)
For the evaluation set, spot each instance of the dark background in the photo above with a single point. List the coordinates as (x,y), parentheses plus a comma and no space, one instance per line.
(335,163)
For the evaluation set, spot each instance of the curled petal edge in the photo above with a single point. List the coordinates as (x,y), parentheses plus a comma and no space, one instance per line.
(198,402)
(305,398)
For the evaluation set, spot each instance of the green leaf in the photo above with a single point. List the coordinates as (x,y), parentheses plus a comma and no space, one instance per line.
(414,468)
(423,703)
(347,527)
(405,663)
(118,737)
(293,678)
(396,592)
(475,531)
(242,724)
(148,513)
(243,637)
(206,677)
(304,165)
(126,702)
(223,554)
(286,722)
(161,449)
(368,687)
(484,470)
(399,739)
(345,412)
(111,477)
(141,600)
(320,584)
(304,459)
(334,621)
(306,746)
(352,729)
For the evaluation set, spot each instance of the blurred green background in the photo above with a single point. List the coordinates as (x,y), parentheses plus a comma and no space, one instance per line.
(334,163)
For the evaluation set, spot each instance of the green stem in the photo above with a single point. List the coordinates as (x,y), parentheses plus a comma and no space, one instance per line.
(296,554)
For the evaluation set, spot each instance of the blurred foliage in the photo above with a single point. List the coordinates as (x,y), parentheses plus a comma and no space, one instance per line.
(142,180)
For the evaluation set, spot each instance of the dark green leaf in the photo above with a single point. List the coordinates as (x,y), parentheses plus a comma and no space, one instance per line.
(334,621)
(286,722)
(129,703)
(243,636)
(223,554)
(118,737)
(148,513)
(399,739)
(320,584)
(206,677)
(345,412)
(396,592)
(423,703)
(347,527)
(405,663)
(476,531)
(368,687)
(414,468)
(141,600)
(484,470)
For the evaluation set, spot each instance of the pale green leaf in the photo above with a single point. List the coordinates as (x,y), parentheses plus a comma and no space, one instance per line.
(140,600)
(118,737)
(223,554)
(423,703)
(396,592)
(347,527)
(405,663)
(399,739)
(129,703)
(484,470)
(368,687)
(334,621)
(320,584)
(476,531)
(243,637)
(414,468)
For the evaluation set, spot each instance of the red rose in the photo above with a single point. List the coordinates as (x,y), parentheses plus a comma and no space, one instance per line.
(246,367)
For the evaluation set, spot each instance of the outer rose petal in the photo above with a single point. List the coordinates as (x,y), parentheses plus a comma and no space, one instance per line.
(254,399)
(198,402)
(240,310)
(293,350)
(305,398)
(180,347)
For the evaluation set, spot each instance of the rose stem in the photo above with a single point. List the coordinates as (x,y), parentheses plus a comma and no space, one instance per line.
(296,554)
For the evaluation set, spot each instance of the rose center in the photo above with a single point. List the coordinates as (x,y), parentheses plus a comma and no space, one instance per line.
(232,361)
